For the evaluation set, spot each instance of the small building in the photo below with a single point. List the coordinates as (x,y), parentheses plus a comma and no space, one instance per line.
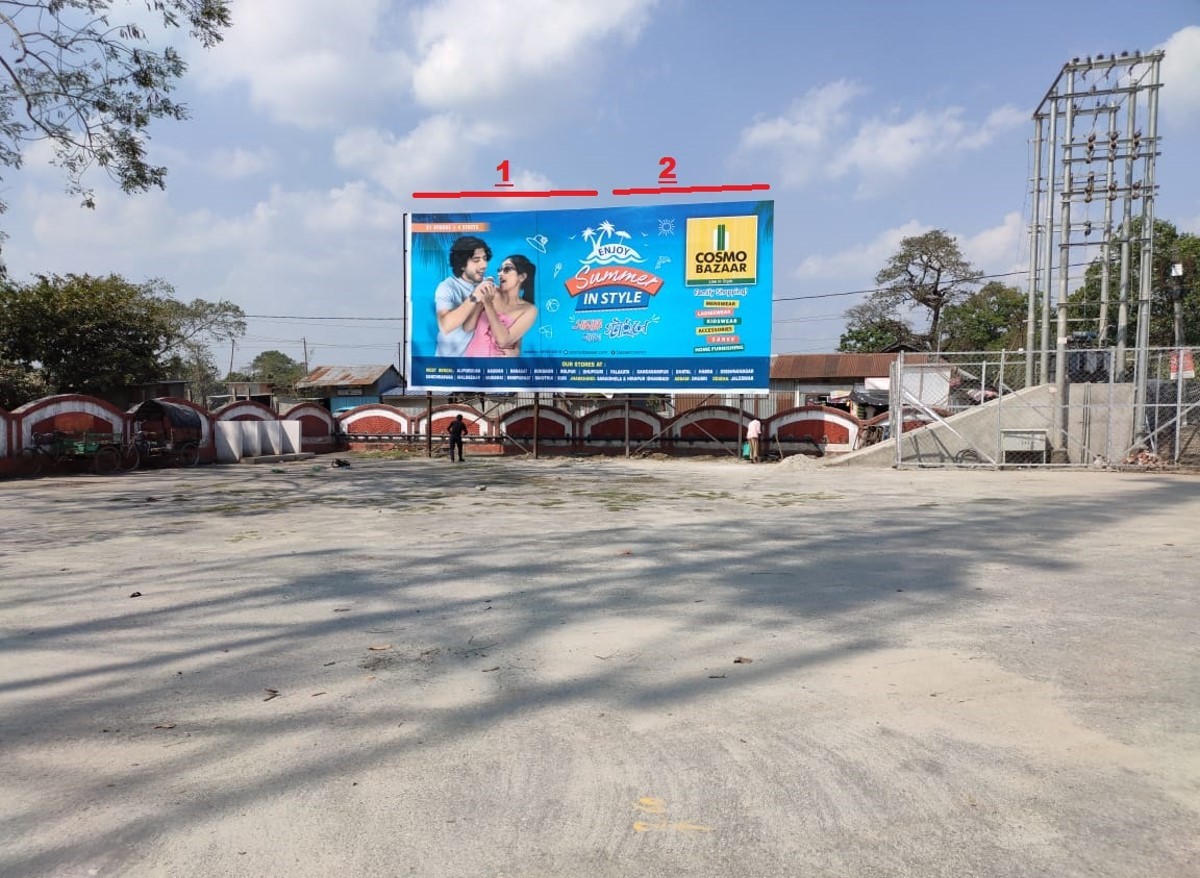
(856,382)
(132,394)
(236,391)
(340,388)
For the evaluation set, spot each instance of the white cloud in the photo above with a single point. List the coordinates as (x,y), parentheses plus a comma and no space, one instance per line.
(806,132)
(859,260)
(993,250)
(438,153)
(819,138)
(998,249)
(470,52)
(1181,76)
(998,122)
(883,150)
(295,251)
(236,163)
(305,64)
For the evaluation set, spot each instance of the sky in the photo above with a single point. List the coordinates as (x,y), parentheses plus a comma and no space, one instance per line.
(311,129)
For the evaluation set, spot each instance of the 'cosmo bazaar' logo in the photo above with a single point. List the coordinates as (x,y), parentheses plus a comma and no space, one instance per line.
(608,278)
(722,250)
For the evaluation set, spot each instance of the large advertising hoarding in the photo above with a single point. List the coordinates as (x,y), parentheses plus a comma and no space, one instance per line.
(663,299)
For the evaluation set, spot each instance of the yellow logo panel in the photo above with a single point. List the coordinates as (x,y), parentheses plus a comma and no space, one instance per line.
(722,250)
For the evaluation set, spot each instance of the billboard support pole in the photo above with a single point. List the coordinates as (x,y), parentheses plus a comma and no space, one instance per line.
(429,423)
(741,417)
(537,417)
(627,426)
(403,370)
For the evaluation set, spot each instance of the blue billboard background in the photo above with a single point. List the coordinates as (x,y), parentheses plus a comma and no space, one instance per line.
(665,298)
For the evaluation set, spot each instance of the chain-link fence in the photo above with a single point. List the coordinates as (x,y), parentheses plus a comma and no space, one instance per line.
(1004,409)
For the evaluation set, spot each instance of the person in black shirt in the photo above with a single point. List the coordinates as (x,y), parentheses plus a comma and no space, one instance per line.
(456,430)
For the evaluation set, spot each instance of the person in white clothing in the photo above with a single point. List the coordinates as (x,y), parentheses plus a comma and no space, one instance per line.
(754,436)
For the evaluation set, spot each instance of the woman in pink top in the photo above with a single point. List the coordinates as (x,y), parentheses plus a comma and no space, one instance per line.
(508,311)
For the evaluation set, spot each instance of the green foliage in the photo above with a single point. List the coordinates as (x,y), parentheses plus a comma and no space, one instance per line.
(992,319)
(91,86)
(872,327)
(277,369)
(1170,247)
(927,272)
(19,384)
(196,366)
(877,337)
(84,334)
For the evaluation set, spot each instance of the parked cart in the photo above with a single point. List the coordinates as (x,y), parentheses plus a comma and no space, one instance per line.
(165,434)
(61,451)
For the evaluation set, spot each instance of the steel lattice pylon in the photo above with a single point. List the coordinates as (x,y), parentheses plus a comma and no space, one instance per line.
(1094,149)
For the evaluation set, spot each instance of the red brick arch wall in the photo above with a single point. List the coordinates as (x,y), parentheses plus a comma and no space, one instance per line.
(547,429)
(815,429)
(312,426)
(706,429)
(614,428)
(375,424)
(73,422)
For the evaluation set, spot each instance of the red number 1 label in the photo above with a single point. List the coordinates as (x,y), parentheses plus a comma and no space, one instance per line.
(667,175)
(503,169)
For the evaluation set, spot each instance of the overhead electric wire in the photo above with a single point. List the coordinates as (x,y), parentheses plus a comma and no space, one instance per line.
(327,320)
(861,292)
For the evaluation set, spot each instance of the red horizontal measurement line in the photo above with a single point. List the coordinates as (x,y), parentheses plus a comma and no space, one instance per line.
(684,190)
(492,193)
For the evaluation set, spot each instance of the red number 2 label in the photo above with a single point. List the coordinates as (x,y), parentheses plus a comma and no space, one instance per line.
(667,174)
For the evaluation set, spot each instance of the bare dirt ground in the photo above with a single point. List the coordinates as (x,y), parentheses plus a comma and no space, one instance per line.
(599,668)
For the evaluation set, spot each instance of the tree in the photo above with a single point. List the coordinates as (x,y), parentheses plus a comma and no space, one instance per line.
(1170,247)
(928,271)
(277,369)
(87,334)
(872,328)
(196,366)
(19,385)
(91,86)
(992,319)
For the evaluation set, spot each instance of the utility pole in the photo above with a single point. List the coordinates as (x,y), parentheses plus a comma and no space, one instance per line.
(1177,298)
(304,341)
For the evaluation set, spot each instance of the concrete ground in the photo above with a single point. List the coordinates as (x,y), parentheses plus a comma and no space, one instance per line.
(599,668)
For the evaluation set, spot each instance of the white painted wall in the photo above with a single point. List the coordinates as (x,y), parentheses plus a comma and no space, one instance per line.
(240,439)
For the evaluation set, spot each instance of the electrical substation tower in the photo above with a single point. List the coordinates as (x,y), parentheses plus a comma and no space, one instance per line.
(1094,148)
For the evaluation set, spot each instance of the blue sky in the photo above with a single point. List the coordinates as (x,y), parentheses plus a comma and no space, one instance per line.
(870,120)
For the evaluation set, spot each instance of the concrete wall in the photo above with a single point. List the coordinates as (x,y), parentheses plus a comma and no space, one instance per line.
(1098,419)
(240,439)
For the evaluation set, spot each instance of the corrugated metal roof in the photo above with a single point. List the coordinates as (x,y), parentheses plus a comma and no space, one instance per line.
(807,367)
(343,376)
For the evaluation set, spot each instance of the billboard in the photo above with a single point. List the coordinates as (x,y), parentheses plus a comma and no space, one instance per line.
(661,299)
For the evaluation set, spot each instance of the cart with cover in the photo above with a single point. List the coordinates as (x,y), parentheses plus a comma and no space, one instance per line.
(165,434)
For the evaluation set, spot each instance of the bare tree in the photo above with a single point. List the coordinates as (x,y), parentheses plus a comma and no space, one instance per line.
(928,271)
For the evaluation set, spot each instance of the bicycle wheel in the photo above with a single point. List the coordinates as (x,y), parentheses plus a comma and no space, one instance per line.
(189,454)
(130,458)
(29,464)
(106,461)
(967,455)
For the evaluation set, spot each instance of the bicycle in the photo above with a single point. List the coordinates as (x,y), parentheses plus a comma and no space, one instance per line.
(48,449)
(147,448)
(58,449)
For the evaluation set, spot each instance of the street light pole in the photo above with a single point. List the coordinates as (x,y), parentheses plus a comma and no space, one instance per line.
(1177,297)
(1178,355)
